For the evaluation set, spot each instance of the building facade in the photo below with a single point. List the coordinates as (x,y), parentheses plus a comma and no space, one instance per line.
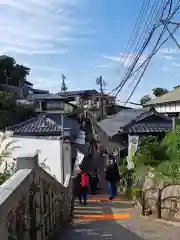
(50,103)
(168,104)
(88,99)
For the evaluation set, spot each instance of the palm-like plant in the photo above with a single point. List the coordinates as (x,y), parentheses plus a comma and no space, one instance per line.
(7,146)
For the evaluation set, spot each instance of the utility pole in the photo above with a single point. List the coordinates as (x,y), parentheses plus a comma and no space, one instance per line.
(63,85)
(99,81)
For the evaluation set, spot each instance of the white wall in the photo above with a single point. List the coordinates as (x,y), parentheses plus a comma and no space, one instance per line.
(48,149)
(168,108)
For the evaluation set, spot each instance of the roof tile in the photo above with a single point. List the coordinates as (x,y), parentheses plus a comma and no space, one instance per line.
(172,96)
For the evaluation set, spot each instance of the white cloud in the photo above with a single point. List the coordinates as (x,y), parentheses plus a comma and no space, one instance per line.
(34,27)
(168,57)
(51,83)
(103,66)
(125,59)
(169,51)
(177,65)
(46,68)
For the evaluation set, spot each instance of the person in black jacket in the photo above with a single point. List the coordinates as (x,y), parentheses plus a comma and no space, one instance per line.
(94,181)
(112,176)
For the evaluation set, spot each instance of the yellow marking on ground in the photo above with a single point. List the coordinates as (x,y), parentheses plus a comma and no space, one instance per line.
(102,199)
(104,217)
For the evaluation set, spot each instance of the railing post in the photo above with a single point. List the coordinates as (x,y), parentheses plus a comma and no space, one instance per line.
(143,202)
(30,161)
(158,203)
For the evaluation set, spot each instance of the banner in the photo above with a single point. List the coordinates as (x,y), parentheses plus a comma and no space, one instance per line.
(79,158)
(132,148)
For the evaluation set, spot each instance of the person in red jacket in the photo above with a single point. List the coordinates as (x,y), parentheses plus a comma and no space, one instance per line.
(83,182)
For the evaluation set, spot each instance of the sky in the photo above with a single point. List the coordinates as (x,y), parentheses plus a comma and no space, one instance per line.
(83,39)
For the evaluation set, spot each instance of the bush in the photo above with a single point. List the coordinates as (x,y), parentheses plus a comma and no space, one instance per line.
(151,152)
(11,113)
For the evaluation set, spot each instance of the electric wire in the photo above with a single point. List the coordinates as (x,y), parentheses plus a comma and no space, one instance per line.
(152,13)
(156,48)
(131,42)
(164,8)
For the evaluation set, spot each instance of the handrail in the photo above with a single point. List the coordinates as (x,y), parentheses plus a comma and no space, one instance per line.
(33,204)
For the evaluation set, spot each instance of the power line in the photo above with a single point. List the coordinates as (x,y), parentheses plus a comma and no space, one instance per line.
(152,18)
(145,44)
(168,17)
(156,48)
(171,35)
(133,37)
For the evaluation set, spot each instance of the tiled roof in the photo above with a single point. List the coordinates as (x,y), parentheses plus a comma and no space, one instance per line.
(40,124)
(45,125)
(32,97)
(173,96)
(150,127)
(129,120)
(112,124)
(40,91)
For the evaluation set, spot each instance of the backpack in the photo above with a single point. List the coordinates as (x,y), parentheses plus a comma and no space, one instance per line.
(84,180)
(94,175)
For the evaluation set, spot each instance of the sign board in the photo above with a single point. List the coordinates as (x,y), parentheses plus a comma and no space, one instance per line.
(132,148)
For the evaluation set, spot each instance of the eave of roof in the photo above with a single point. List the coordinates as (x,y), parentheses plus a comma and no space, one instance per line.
(113,126)
(170,97)
(44,96)
(149,127)
(78,92)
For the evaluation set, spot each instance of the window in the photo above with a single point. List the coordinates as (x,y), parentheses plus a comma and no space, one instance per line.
(54,105)
(37,105)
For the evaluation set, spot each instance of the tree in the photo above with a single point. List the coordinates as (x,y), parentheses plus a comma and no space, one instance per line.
(10,113)
(19,74)
(7,101)
(6,66)
(158,92)
(14,73)
(145,99)
(176,87)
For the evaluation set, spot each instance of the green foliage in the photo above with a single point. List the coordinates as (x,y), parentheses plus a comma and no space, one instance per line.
(159,91)
(171,167)
(7,101)
(145,99)
(176,87)
(11,113)
(11,72)
(162,158)
(7,146)
(124,173)
(150,152)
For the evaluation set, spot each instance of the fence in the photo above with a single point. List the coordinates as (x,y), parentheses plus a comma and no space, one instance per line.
(33,204)
(165,201)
